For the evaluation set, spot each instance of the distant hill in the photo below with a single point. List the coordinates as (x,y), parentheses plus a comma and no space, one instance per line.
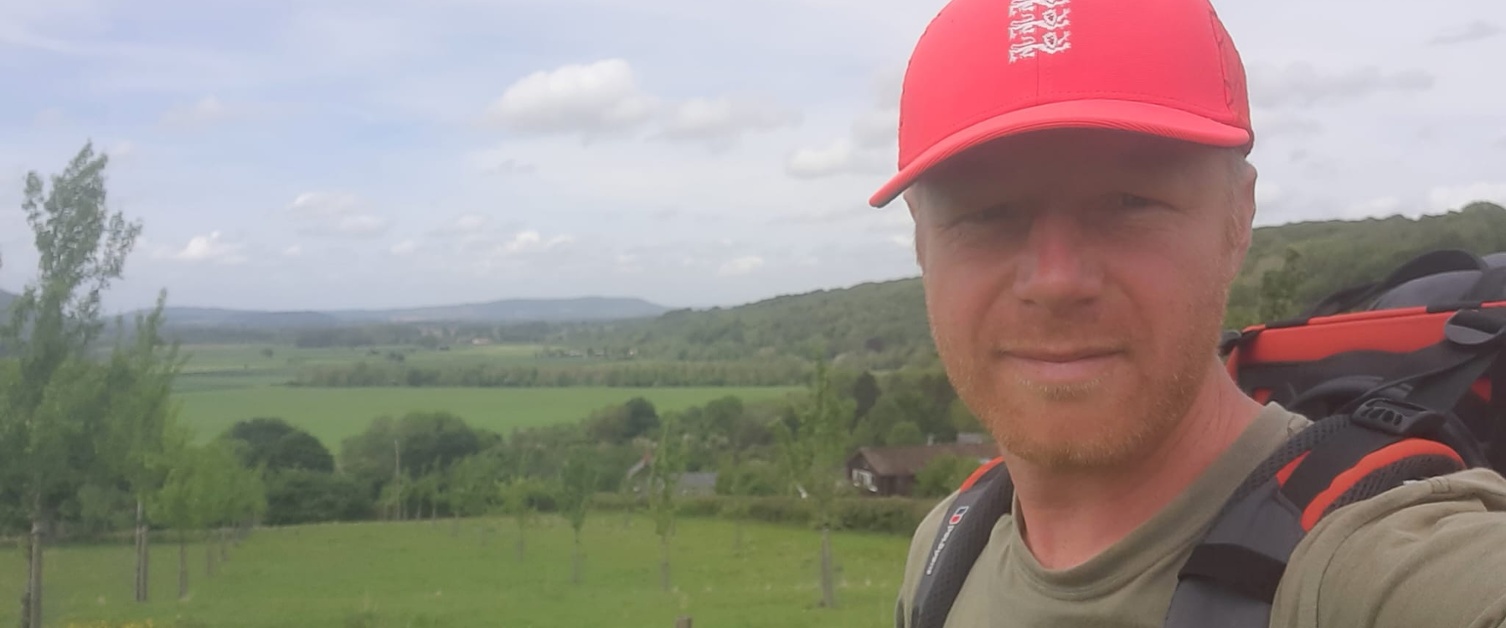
(513,311)
(5,299)
(496,312)
(219,317)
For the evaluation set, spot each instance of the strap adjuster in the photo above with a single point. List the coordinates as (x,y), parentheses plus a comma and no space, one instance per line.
(1398,418)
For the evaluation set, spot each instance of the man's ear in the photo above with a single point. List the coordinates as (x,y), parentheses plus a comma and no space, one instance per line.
(1244,211)
(918,236)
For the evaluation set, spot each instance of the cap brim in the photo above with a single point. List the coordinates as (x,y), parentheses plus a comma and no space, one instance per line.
(1136,117)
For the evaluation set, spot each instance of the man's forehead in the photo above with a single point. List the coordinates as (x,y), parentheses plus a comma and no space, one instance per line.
(1082,151)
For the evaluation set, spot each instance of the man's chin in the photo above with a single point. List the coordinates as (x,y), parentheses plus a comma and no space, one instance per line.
(1076,428)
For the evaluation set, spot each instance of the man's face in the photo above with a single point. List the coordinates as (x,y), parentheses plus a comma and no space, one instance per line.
(1076,284)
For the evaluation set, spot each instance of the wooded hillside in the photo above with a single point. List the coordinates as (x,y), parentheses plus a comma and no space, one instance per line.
(884,324)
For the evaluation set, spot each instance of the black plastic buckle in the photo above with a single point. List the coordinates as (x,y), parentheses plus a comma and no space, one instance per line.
(1408,420)
(1398,418)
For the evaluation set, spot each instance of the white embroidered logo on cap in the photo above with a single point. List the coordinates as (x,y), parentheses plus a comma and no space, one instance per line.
(1038,26)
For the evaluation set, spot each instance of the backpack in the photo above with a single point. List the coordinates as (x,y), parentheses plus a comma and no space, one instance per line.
(1397,376)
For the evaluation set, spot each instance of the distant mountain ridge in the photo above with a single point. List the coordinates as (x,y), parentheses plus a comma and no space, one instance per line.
(581,309)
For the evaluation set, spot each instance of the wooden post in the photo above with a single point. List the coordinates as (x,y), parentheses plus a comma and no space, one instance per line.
(683,622)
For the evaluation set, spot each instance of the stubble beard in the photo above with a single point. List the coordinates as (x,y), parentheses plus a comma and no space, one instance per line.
(1145,419)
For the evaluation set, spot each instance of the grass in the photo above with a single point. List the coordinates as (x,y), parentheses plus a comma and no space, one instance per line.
(418,574)
(332,414)
(222,384)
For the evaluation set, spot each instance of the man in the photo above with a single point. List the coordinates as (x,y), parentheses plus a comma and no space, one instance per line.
(1076,172)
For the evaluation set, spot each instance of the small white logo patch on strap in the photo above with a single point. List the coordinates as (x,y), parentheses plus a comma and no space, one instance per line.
(1038,27)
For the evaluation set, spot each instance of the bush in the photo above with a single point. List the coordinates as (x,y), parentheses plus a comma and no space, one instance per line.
(300,496)
(944,474)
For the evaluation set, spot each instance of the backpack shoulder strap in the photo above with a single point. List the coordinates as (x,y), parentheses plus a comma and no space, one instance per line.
(964,532)
(1233,573)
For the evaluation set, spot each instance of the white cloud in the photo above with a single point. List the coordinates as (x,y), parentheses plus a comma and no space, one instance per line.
(1268,193)
(406,247)
(876,129)
(904,240)
(721,120)
(1444,198)
(741,265)
(839,157)
(498,161)
(471,222)
(211,248)
(292,251)
(1301,85)
(530,240)
(1380,207)
(1471,32)
(871,142)
(50,116)
(591,99)
(206,111)
(337,214)
(121,150)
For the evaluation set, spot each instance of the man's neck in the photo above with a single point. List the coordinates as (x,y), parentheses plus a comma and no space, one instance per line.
(1070,517)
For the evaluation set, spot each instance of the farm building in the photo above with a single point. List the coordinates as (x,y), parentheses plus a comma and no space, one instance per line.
(888,471)
(693,483)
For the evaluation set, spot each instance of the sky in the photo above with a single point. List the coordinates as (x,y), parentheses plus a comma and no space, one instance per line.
(322,154)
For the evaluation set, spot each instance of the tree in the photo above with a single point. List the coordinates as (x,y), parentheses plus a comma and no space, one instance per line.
(296,496)
(665,467)
(140,382)
(577,484)
(45,439)
(474,487)
(517,498)
(905,433)
(1279,287)
(275,445)
(865,393)
(943,474)
(812,445)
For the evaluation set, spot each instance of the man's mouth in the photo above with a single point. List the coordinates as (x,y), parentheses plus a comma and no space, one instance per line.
(1059,366)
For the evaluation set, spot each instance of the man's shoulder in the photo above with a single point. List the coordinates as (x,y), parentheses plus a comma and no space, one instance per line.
(1430,552)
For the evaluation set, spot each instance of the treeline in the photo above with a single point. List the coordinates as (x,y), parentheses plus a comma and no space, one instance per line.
(1292,266)
(780,372)
(430,463)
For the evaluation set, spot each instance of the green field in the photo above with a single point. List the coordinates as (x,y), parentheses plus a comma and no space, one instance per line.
(418,574)
(222,384)
(332,414)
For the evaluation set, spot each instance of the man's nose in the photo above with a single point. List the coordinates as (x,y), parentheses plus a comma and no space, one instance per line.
(1058,267)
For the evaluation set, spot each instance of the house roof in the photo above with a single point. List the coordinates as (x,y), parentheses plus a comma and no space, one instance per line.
(698,480)
(910,459)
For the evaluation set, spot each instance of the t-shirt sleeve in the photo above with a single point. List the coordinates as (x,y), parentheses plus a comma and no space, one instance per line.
(1431,553)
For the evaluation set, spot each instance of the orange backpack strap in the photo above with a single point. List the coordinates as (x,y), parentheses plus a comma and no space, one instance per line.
(1232,575)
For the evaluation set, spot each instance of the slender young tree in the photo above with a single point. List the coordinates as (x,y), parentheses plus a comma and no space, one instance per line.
(663,480)
(811,451)
(47,440)
(140,379)
(577,484)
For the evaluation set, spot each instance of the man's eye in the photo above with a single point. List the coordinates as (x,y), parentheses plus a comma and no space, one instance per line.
(991,214)
(1133,201)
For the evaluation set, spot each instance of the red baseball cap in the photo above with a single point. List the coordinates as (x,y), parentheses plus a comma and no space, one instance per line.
(987,69)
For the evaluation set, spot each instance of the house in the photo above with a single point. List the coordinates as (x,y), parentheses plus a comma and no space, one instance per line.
(689,484)
(888,471)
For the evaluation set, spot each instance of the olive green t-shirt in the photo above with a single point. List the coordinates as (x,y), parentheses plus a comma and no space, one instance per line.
(1428,553)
